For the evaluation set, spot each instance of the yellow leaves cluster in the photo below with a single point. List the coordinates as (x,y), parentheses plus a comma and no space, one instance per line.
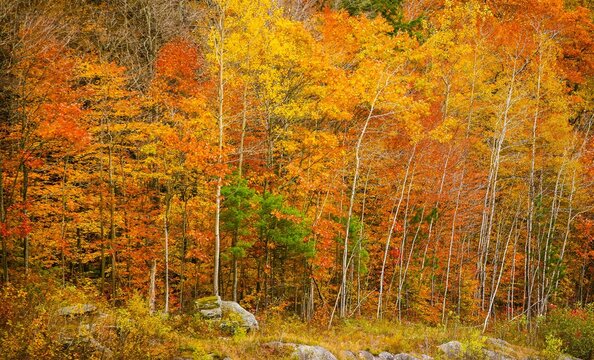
(105,86)
(445,131)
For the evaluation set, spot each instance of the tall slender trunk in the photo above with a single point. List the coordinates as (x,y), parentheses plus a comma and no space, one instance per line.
(235,279)
(359,243)
(502,266)
(152,292)
(112,231)
(557,269)
(489,203)
(2,224)
(345,252)
(403,274)
(102,228)
(390,232)
(220,53)
(531,184)
(166,232)
(243,127)
(556,204)
(26,236)
(402,251)
(234,266)
(460,279)
(184,251)
(25,129)
(63,225)
(126,228)
(452,233)
(513,282)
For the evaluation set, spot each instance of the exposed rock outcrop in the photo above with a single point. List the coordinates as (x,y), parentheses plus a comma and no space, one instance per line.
(303,352)
(452,349)
(492,349)
(209,307)
(384,355)
(213,308)
(248,320)
(77,310)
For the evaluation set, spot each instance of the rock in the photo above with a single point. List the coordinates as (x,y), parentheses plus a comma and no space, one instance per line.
(106,352)
(405,356)
(502,344)
(213,308)
(248,319)
(347,354)
(567,357)
(279,345)
(209,307)
(452,349)
(384,355)
(304,352)
(494,355)
(307,352)
(366,355)
(91,345)
(77,310)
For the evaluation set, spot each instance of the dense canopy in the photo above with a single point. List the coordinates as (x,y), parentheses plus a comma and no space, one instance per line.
(415,160)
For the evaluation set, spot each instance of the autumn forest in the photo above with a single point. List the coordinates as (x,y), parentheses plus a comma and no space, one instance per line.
(422,161)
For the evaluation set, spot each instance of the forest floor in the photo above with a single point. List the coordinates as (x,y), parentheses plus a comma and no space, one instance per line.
(33,325)
(352,337)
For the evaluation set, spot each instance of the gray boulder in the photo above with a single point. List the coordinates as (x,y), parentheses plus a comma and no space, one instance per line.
(495,355)
(405,356)
(452,349)
(347,354)
(77,310)
(567,357)
(366,355)
(247,318)
(213,308)
(384,355)
(308,352)
(499,343)
(303,352)
(209,307)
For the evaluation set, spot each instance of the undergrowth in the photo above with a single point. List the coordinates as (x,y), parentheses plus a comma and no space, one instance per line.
(30,327)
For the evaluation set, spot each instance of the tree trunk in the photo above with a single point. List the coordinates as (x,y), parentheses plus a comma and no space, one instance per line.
(184,251)
(2,224)
(153,273)
(452,233)
(502,266)
(220,53)
(63,226)
(112,231)
(166,231)
(389,238)
(26,236)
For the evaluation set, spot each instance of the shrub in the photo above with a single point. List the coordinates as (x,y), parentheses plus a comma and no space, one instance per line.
(574,328)
(141,334)
(553,348)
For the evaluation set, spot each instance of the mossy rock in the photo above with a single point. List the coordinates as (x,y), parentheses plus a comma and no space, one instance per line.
(77,310)
(209,307)
(208,303)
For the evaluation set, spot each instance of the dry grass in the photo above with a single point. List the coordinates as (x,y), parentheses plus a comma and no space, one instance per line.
(353,335)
